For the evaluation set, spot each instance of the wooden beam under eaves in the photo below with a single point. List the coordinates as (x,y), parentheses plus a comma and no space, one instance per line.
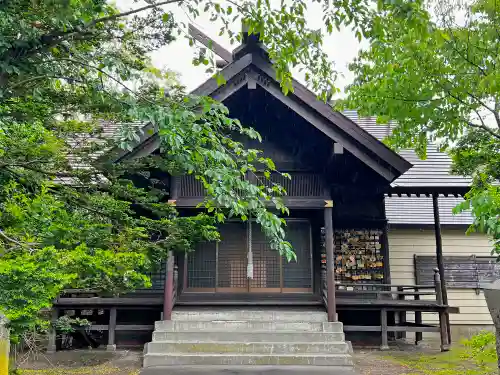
(208,42)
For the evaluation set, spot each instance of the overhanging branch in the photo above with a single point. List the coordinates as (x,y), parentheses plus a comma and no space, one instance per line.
(485,128)
(130,12)
(18,243)
(55,37)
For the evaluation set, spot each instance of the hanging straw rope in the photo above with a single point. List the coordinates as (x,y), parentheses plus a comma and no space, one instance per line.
(250,253)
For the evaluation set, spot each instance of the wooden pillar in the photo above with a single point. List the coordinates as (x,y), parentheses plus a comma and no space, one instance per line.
(169,267)
(52,336)
(185,272)
(383,330)
(174,189)
(111,347)
(442,315)
(169,287)
(385,246)
(330,268)
(440,261)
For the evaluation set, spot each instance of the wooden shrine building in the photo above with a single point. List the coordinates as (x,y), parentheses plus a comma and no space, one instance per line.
(337,225)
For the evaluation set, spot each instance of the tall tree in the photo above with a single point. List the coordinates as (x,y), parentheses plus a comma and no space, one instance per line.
(67,219)
(437,73)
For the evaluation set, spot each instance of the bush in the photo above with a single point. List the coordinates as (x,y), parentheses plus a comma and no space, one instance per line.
(481,349)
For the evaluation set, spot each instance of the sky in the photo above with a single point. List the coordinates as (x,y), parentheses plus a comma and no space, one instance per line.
(341,47)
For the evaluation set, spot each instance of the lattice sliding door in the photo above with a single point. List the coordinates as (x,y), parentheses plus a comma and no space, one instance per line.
(297,275)
(202,268)
(232,258)
(266,264)
(222,267)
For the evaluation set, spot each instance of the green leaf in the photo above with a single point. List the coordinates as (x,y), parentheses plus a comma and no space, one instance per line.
(445,36)
(219,77)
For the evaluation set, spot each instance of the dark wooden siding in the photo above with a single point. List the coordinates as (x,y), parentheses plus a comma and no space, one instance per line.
(471,272)
(301,184)
(190,187)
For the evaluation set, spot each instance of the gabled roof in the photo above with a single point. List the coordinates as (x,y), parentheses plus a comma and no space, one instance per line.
(254,67)
(433,172)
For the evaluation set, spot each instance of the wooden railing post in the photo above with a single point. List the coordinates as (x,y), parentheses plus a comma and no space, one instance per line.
(418,319)
(330,268)
(383,330)
(111,347)
(402,314)
(442,317)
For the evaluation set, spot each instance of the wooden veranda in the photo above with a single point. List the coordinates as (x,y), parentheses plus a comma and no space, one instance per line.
(386,304)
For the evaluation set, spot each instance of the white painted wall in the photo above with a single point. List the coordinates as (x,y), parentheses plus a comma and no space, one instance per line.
(405,243)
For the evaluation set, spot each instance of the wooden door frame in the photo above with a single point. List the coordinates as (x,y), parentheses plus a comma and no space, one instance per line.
(279,290)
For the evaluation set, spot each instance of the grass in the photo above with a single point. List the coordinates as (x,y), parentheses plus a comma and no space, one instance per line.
(84,370)
(476,356)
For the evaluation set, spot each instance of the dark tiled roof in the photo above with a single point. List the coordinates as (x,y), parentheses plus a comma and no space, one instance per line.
(418,210)
(433,171)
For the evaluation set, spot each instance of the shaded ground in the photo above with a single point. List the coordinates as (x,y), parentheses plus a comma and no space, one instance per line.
(82,362)
(400,360)
(98,362)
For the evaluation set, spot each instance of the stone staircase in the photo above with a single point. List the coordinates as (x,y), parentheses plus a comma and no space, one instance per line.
(250,341)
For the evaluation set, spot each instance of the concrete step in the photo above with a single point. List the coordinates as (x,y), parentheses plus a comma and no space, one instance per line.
(251,336)
(245,325)
(248,370)
(247,348)
(151,360)
(257,314)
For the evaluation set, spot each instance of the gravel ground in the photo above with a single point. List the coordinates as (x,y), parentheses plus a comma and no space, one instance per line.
(128,362)
(371,362)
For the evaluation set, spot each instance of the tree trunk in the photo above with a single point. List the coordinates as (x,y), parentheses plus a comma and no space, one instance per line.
(495,314)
